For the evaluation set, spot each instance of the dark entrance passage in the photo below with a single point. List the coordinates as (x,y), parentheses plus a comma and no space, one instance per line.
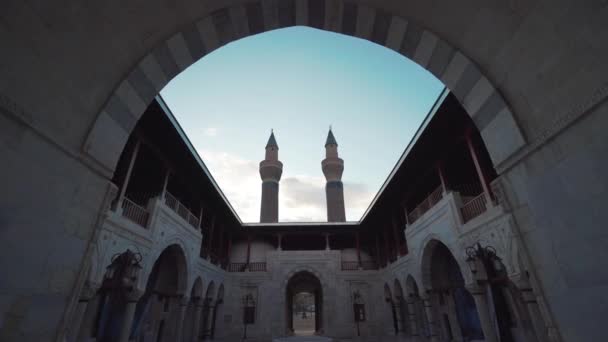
(303,314)
(304,304)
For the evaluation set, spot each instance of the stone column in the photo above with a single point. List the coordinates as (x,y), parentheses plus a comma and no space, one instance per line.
(209,323)
(537,320)
(411,310)
(430,316)
(454,324)
(183,305)
(196,327)
(127,322)
(90,299)
(481,302)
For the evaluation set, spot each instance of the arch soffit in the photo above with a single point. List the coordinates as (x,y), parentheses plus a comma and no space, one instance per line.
(398,289)
(411,285)
(183,270)
(428,248)
(388,293)
(220,292)
(197,288)
(210,291)
(300,269)
(126,104)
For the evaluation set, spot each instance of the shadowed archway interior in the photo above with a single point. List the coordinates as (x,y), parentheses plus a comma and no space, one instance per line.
(76,79)
(304,298)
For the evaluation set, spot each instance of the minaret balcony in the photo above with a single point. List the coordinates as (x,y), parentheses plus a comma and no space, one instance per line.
(271,169)
(332,168)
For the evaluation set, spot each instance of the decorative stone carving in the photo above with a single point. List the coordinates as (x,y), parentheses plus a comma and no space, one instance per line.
(500,235)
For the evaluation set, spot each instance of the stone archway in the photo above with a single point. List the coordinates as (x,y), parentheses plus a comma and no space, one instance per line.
(454,310)
(157,313)
(208,315)
(303,291)
(218,309)
(401,310)
(419,324)
(52,105)
(193,311)
(390,301)
(153,71)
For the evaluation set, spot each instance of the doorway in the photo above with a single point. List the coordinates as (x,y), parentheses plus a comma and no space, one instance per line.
(304,304)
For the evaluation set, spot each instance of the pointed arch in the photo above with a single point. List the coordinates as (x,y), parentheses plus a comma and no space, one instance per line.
(220,294)
(197,288)
(210,294)
(482,100)
(398,290)
(411,286)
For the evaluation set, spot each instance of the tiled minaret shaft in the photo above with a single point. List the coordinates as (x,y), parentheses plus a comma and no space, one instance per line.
(333,167)
(270,171)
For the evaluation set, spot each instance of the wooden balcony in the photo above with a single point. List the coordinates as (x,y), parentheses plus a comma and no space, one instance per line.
(135,212)
(181,210)
(355,266)
(473,207)
(242,267)
(424,206)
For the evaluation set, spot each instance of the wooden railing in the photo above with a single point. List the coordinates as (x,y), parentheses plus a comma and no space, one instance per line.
(237,266)
(424,206)
(473,208)
(172,202)
(257,267)
(135,212)
(350,265)
(354,265)
(242,266)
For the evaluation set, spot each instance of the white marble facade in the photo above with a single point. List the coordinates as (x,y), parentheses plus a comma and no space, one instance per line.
(442,223)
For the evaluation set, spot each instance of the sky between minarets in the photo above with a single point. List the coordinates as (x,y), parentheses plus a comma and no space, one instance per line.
(298,81)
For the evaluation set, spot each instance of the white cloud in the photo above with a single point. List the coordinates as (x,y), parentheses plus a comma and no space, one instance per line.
(239,180)
(210,131)
(301,197)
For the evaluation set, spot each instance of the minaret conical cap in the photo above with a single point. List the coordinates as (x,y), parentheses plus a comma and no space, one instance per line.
(331,140)
(272,142)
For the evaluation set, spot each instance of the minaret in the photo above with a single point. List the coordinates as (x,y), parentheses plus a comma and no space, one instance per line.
(333,167)
(270,171)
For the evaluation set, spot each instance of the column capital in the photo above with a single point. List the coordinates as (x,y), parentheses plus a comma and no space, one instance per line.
(427,295)
(134,295)
(88,291)
(520,279)
(476,289)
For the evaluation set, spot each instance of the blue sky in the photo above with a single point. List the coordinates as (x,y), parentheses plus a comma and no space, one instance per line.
(298,81)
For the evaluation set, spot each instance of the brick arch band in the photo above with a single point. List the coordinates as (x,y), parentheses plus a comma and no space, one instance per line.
(462,76)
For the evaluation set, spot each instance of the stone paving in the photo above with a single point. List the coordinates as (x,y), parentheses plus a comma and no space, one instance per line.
(304,339)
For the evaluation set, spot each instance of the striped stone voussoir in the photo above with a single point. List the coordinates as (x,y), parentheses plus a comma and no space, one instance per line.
(462,76)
